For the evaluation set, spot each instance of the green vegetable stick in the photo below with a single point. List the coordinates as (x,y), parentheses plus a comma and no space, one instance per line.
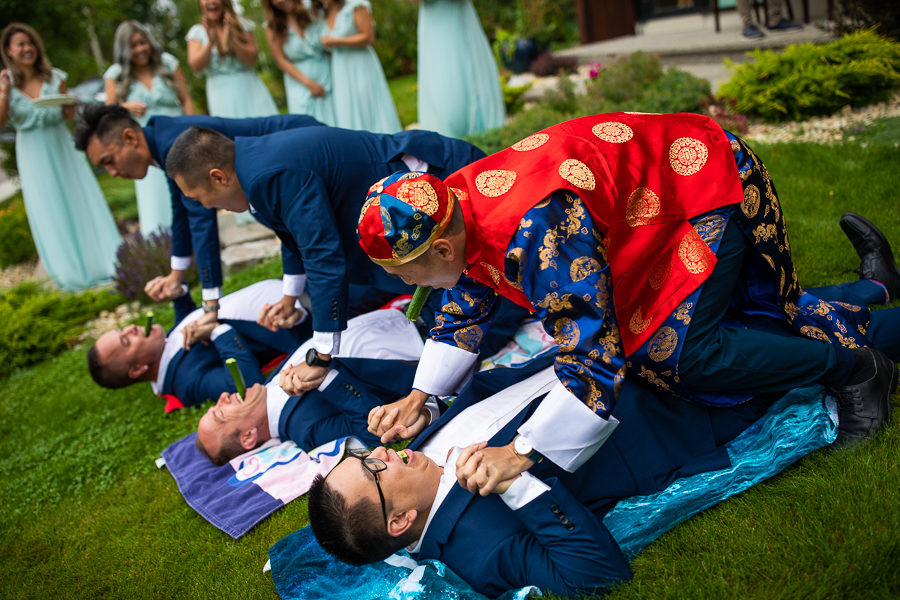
(417,302)
(149,324)
(237,376)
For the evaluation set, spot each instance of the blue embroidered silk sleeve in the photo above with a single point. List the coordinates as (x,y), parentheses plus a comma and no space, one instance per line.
(558,258)
(466,314)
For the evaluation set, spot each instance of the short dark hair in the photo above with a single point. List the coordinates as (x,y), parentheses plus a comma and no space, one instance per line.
(231,447)
(101,120)
(104,375)
(195,152)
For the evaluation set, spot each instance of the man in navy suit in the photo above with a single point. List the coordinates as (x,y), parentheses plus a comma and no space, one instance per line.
(189,363)
(113,140)
(309,185)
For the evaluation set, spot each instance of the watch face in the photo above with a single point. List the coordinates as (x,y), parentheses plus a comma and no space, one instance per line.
(522,446)
(312,359)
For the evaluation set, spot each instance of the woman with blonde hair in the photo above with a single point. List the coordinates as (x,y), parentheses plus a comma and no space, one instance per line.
(147,81)
(293,33)
(72,227)
(222,47)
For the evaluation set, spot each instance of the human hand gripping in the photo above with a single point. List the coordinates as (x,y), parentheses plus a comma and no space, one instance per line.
(281,315)
(402,419)
(166,287)
(136,108)
(199,330)
(299,378)
(484,469)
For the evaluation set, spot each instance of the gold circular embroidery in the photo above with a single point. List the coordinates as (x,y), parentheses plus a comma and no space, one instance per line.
(582,267)
(578,174)
(420,195)
(662,344)
(660,272)
(814,333)
(410,175)
(694,253)
(531,142)
(567,334)
(495,182)
(687,155)
(468,338)
(750,205)
(643,206)
(613,131)
(638,324)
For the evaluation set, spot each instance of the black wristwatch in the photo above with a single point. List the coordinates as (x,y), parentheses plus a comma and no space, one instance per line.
(313,360)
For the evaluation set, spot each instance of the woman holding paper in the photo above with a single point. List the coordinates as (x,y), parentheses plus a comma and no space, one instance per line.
(71,224)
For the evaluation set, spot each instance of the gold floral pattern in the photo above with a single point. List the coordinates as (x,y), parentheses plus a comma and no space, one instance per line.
(421,195)
(495,182)
(662,344)
(555,303)
(567,334)
(750,205)
(682,312)
(583,267)
(613,131)
(814,333)
(643,207)
(687,155)
(531,142)
(548,250)
(452,308)
(660,272)
(653,378)
(577,173)
(710,228)
(493,271)
(695,255)
(468,338)
(638,324)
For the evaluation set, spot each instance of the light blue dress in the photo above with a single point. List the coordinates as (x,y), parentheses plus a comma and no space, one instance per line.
(232,88)
(308,55)
(73,230)
(459,88)
(362,99)
(153,199)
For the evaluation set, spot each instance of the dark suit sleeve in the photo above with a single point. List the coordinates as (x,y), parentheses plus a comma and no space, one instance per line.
(567,549)
(317,418)
(181,232)
(291,262)
(305,210)
(211,383)
(204,232)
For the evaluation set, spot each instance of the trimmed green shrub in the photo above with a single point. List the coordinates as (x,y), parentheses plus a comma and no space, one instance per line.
(36,324)
(396,41)
(635,83)
(140,259)
(16,245)
(805,80)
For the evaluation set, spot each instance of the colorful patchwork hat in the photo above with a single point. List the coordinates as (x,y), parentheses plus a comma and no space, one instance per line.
(402,215)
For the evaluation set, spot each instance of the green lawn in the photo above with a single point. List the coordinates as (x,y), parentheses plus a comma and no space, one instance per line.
(87,514)
(405,91)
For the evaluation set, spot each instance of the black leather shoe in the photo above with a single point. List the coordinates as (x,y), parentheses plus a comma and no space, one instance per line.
(876,259)
(784,25)
(863,408)
(752,32)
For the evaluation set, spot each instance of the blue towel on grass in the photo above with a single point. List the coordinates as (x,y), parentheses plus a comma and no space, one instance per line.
(802,421)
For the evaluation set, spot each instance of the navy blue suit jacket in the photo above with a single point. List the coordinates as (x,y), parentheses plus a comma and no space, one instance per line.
(198,374)
(194,228)
(342,408)
(558,541)
(309,185)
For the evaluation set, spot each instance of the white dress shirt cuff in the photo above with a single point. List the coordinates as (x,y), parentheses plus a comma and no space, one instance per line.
(414,163)
(293,285)
(443,368)
(180,263)
(211,293)
(219,330)
(328,379)
(327,342)
(562,411)
(523,490)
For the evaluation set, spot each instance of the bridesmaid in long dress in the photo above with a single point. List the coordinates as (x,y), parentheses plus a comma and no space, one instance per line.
(293,34)
(362,99)
(459,88)
(225,50)
(70,222)
(147,81)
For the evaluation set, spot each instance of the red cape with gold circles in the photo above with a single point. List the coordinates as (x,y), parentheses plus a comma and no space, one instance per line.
(641,177)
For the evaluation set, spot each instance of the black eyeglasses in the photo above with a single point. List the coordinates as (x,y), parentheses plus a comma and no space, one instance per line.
(374,466)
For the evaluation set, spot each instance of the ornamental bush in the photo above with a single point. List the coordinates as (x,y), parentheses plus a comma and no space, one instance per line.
(16,245)
(140,259)
(36,324)
(805,80)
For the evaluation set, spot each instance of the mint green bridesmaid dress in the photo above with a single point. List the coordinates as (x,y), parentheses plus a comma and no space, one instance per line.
(459,88)
(153,199)
(73,230)
(362,99)
(308,55)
